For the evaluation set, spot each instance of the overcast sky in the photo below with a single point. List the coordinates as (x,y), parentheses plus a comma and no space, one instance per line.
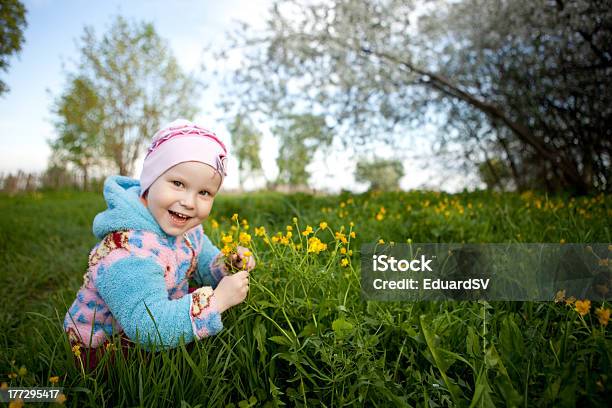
(38,73)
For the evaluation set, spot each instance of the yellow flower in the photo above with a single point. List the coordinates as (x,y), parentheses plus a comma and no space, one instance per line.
(244,238)
(275,239)
(341,237)
(315,245)
(289,234)
(54,380)
(307,231)
(227,239)
(247,253)
(353,235)
(570,300)
(603,315)
(343,250)
(350,252)
(235,217)
(22,371)
(583,306)
(76,349)
(562,241)
(18,403)
(60,399)
(344,262)
(214,224)
(323,225)
(226,250)
(379,217)
(381,241)
(259,232)
(560,296)
(284,240)
(289,228)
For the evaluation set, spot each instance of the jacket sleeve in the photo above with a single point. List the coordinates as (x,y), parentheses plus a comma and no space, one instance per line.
(211,266)
(132,284)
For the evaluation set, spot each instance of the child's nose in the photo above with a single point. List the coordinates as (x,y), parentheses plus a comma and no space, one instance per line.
(188,201)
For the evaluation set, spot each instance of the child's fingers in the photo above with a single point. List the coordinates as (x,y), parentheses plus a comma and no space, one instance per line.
(237,260)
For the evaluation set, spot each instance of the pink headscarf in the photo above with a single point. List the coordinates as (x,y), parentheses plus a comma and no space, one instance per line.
(178,142)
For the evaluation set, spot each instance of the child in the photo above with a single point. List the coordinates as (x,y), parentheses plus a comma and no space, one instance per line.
(152,245)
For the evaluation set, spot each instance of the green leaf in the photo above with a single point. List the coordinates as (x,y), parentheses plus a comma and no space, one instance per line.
(280,340)
(308,330)
(341,327)
(503,381)
(494,361)
(439,361)
(511,338)
(510,394)
(473,343)
(482,392)
(259,331)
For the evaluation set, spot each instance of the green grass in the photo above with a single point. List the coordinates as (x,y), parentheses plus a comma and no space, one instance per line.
(304,337)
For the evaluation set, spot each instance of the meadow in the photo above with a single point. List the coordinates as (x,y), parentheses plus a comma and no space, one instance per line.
(304,336)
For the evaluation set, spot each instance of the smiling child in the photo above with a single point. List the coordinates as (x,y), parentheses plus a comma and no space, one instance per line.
(152,245)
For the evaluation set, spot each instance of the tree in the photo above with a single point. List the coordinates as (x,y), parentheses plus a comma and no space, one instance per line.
(300,137)
(139,85)
(495,174)
(532,73)
(80,119)
(380,174)
(246,141)
(543,65)
(12,24)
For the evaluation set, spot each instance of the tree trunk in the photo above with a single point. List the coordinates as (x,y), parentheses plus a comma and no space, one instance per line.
(85,178)
(515,174)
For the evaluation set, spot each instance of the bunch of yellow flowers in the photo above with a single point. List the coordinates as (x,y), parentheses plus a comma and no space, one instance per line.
(315,245)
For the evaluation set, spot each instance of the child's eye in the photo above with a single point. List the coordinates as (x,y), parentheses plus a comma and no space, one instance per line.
(177,183)
(204,193)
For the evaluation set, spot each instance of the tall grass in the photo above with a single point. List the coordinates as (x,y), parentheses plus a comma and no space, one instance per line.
(304,337)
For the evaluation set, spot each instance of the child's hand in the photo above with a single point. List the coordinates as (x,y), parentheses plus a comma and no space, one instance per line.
(243,259)
(232,289)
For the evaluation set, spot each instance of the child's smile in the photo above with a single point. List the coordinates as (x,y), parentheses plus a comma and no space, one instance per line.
(178,218)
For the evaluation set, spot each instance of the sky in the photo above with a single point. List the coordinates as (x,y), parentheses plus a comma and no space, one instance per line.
(38,73)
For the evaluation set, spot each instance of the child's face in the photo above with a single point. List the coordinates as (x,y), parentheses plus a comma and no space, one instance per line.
(183,196)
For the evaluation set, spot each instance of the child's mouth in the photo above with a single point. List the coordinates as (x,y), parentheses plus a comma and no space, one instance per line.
(178,218)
